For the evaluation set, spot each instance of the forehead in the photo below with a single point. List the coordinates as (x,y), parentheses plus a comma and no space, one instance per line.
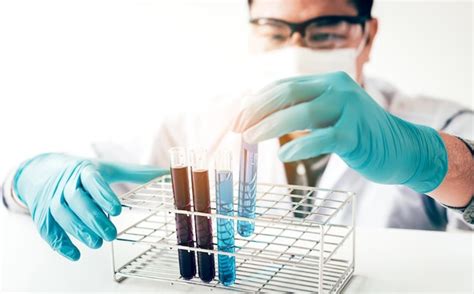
(300,10)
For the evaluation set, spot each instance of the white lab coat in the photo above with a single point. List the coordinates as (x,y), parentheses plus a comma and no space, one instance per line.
(377,205)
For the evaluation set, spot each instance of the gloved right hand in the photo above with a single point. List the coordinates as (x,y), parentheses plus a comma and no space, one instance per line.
(343,119)
(69,195)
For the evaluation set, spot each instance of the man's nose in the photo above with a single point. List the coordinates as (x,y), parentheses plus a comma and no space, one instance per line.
(297,40)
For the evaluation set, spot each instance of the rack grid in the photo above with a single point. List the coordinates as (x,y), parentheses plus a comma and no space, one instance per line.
(286,253)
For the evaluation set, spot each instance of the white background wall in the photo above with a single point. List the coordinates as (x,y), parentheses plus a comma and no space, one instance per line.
(426,47)
(76,71)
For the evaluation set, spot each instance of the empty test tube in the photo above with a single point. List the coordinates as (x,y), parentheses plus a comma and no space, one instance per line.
(182,201)
(247,187)
(202,203)
(225,227)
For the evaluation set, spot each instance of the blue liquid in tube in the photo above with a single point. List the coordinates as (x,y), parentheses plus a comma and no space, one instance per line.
(225,227)
(247,188)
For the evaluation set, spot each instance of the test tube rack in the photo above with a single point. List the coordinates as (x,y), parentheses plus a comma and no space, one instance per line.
(285,253)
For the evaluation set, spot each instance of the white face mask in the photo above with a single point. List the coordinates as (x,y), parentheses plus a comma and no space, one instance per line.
(298,61)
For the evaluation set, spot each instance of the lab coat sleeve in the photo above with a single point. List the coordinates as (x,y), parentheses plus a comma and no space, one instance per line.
(9,198)
(461,124)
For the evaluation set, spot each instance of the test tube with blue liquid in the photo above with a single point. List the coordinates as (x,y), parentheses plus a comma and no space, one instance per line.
(247,187)
(225,226)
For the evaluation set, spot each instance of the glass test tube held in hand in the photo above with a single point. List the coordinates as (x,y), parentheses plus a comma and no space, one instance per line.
(182,200)
(247,187)
(225,227)
(202,203)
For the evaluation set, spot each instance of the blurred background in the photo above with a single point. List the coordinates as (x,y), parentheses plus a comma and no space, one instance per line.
(74,72)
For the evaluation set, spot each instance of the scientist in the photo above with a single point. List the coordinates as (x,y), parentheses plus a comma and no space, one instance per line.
(328,123)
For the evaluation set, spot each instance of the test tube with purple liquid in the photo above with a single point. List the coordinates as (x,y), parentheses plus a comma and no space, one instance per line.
(182,201)
(202,203)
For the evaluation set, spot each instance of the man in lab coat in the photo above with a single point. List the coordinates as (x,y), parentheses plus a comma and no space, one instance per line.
(405,149)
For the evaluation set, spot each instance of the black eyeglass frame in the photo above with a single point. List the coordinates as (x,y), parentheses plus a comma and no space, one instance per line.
(300,27)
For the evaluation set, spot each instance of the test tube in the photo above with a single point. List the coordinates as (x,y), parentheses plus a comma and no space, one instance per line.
(202,203)
(182,201)
(247,187)
(225,227)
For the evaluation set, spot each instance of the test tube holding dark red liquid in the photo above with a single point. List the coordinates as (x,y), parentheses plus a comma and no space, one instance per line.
(202,203)
(182,201)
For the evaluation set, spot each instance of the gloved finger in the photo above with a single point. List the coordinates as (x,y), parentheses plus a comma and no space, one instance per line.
(55,236)
(317,142)
(318,113)
(296,118)
(133,173)
(100,191)
(254,104)
(84,207)
(72,224)
(282,95)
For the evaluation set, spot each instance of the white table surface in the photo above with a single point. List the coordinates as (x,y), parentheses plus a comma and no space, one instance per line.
(387,260)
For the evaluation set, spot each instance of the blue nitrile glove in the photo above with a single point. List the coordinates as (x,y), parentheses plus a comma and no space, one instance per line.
(343,119)
(69,195)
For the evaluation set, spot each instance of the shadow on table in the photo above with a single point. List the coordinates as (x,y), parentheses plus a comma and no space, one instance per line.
(356,284)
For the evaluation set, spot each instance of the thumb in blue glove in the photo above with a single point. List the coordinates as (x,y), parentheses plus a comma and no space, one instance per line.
(69,196)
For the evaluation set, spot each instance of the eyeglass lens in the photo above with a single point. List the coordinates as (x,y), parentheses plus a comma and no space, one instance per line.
(329,35)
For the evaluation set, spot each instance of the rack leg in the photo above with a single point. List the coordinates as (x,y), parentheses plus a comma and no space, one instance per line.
(119,279)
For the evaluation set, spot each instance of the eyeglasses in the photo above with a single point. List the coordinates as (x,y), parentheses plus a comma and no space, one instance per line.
(326,32)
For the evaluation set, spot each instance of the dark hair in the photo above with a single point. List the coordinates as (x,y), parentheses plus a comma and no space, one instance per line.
(364,7)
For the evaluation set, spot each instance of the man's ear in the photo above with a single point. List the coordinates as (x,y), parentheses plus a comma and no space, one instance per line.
(373,27)
(364,57)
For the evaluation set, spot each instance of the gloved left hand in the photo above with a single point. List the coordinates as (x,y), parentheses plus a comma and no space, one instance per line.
(343,119)
(70,195)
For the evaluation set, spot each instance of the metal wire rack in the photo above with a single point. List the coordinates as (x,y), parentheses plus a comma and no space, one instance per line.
(286,253)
